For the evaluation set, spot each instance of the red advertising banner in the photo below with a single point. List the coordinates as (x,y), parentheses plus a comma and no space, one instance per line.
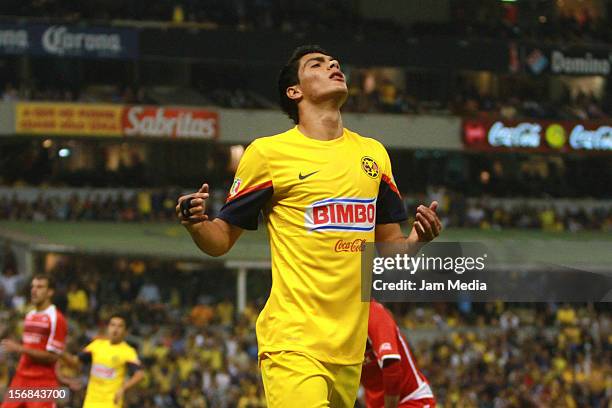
(537,135)
(159,121)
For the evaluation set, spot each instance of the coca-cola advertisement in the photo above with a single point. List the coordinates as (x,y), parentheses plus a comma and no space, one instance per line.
(171,122)
(537,135)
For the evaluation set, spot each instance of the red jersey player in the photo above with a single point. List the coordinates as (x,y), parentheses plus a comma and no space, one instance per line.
(390,375)
(44,334)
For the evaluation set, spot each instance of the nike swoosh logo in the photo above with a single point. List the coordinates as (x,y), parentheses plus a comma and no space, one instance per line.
(302,177)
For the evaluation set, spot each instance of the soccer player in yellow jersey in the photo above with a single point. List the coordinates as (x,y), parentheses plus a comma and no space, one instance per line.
(111,358)
(323,191)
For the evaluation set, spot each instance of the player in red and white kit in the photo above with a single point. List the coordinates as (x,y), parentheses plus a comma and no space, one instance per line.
(44,335)
(390,374)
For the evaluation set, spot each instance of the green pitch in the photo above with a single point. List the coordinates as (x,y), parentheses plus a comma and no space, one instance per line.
(170,240)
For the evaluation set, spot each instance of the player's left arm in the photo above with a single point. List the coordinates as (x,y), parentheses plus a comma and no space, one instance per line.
(137,375)
(390,211)
(74,383)
(39,356)
(425,228)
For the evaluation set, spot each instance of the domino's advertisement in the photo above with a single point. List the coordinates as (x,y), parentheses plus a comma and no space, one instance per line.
(562,61)
(64,40)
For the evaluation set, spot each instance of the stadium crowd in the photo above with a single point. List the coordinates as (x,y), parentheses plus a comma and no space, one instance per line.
(199,351)
(523,365)
(469,102)
(525,21)
(385,97)
(32,91)
(158,205)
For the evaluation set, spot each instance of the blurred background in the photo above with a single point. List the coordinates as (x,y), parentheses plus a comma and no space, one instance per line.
(500,110)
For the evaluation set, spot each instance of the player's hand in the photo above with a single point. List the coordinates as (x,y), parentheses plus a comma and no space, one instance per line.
(427,225)
(69,359)
(74,384)
(11,346)
(118,396)
(191,207)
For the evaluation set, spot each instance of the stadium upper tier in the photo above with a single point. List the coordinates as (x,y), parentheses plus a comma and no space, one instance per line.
(541,21)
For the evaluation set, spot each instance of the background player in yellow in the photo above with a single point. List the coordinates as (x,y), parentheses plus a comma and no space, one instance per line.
(110,358)
(323,191)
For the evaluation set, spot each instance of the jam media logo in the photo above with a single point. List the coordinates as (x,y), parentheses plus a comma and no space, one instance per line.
(350,246)
(341,214)
(369,166)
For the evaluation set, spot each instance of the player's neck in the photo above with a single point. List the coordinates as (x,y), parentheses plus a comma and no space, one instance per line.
(42,306)
(321,122)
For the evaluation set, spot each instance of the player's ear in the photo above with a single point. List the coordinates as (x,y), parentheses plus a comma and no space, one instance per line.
(294,92)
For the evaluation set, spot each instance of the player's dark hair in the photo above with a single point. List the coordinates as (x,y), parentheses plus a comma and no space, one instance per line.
(121,316)
(289,76)
(48,278)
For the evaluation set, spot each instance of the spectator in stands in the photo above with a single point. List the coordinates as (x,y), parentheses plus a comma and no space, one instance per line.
(10,280)
(78,301)
(10,93)
(149,293)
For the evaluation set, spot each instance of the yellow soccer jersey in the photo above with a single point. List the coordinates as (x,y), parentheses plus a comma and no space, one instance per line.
(321,200)
(109,364)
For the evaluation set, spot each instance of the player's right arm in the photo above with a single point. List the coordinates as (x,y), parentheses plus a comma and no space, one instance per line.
(53,349)
(74,361)
(39,356)
(213,237)
(251,190)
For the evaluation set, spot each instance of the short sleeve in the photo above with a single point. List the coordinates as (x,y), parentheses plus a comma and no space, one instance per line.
(57,336)
(90,348)
(389,205)
(382,333)
(251,190)
(131,357)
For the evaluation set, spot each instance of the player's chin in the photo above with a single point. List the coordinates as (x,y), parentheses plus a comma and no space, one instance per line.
(338,92)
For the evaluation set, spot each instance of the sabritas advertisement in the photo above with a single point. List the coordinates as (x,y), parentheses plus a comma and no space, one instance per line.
(69,119)
(156,121)
(536,135)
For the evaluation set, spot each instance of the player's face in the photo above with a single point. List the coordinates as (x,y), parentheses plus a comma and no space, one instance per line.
(116,329)
(321,78)
(40,292)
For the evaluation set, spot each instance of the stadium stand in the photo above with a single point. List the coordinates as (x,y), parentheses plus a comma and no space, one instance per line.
(194,317)
(201,352)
